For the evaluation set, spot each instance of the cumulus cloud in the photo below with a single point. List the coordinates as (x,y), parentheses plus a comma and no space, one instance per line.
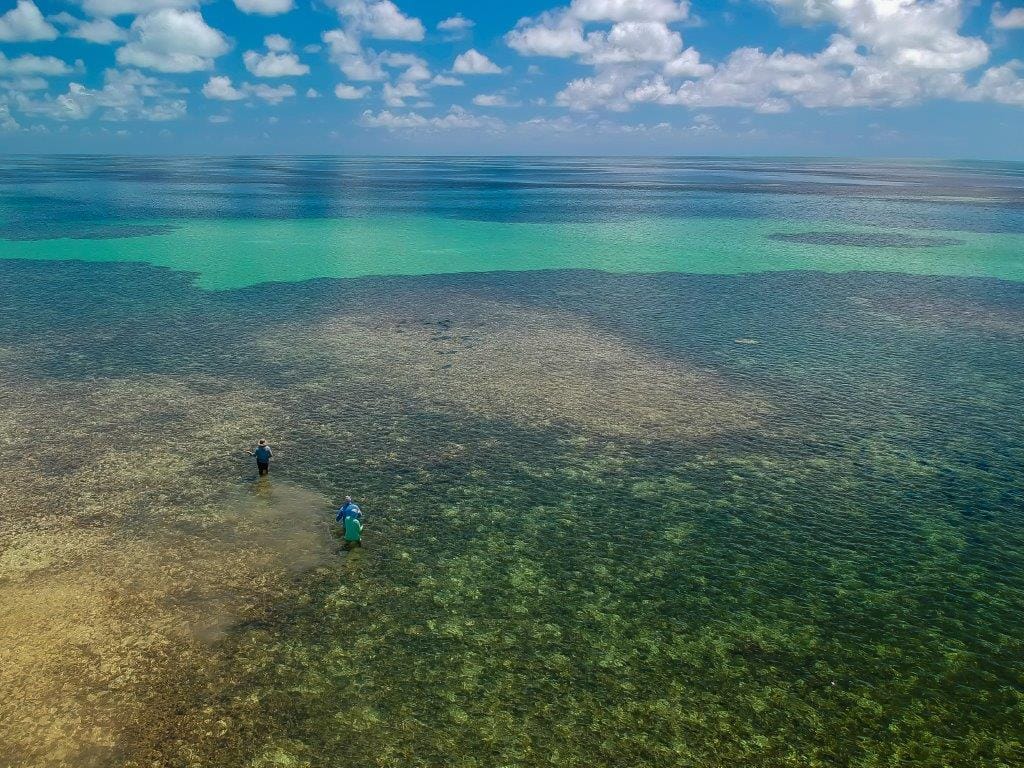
(911,33)
(1011,19)
(687,64)
(125,95)
(341,43)
(265,7)
(350,92)
(635,24)
(456,27)
(630,10)
(273,64)
(1002,84)
(630,41)
(7,122)
(25,24)
(395,94)
(170,40)
(382,20)
(102,31)
(268,93)
(379,19)
(456,119)
(455,23)
(220,88)
(472,62)
(111,8)
(28,64)
(25,83)
(277,43)
(493,100)
(605,90)
(883,53)
(446,81)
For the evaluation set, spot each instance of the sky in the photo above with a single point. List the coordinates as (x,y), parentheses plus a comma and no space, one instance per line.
(888,78)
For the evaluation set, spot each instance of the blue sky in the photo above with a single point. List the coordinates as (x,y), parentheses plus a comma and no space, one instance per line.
(941,78)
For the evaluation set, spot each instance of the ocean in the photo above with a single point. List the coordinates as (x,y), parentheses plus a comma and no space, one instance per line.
(663,462)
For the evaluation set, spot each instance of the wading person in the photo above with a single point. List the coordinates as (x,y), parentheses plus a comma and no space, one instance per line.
(262,454)
(347,510)
(353,532)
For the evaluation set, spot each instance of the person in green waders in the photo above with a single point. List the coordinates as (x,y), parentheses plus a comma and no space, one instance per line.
(353,532)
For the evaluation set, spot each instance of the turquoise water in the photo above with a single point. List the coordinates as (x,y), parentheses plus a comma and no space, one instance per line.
(665,462)
(235,254)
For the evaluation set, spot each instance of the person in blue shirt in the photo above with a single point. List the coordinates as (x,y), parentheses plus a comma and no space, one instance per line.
(262,454)
(349,509)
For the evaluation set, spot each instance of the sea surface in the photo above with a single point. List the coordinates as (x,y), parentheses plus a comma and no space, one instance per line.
(705,462)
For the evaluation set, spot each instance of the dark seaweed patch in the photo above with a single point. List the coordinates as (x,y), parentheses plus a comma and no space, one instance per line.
(864,239)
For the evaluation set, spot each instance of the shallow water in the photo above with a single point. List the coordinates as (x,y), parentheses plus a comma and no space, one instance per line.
(643,518)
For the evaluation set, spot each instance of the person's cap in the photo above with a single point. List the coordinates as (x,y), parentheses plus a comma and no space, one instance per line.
(263,442)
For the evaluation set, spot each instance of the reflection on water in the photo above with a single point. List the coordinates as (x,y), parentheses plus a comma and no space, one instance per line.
(598,528)
(35,192)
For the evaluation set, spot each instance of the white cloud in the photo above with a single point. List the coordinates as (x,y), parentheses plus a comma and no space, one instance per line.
(7,122)
(1001,84)
(312,93)
(169,40)
(219,119)
(272,64)
(277,43)
(457,26)
(379,19)
(346,51)
(24,24)
(553,34)
(912,33)
(630,10)
(340,43)
(492,100)
(125,95)
(219,88)
(883,53)
(687,64)
(269,94)
(111,8)
(362,68)
(472,62)
(1011,19)
(630,41)
(28,64)
(639,31)
(607,89)
(29,83)
(456,119)
(395,94)
(265,7)
(350,92)
(101,31)
(446,81)
(455,23)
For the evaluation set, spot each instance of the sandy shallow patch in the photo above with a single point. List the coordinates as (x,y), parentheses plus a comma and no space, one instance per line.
(528,366)
(127,549)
